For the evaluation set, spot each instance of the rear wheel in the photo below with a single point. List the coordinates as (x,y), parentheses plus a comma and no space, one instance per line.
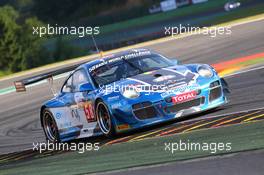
(104,119)
(50,127)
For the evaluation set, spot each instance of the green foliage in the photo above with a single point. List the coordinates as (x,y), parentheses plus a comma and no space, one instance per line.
(92,12)
(4,73)
(9,40)
(65,50)
(19,49)
(34,54)
(89,12)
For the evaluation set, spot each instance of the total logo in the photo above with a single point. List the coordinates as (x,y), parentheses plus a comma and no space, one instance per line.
(184,97)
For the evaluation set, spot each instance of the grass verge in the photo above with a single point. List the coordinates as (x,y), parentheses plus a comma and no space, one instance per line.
(159,17)
(4,73)
(170,15)
(247,136)
(236,14)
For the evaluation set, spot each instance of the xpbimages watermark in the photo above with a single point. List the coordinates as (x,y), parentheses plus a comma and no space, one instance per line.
(80,31)
(79,147)
(169,88)
(188,29)
(212,147)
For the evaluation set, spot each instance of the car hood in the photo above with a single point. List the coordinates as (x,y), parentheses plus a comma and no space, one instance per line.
(176,75)
(159,80)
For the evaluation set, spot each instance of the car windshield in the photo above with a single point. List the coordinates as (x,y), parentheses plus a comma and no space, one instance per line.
(124,68)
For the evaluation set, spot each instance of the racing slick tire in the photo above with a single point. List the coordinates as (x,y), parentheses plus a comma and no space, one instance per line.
(104,119)
(50,127)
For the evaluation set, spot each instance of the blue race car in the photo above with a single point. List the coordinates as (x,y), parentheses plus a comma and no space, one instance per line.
(128,90)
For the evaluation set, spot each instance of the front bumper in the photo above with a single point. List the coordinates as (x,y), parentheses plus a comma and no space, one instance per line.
(156,110)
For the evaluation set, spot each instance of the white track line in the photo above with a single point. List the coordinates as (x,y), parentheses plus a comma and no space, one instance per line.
(244,71)
(226,114)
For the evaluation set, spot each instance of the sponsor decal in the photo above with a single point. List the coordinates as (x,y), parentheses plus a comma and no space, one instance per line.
(187,77)
(180,89)
(66,125)
(75,114)
(123,126)
(58,115)
(164,78)
(87,106)
(116,105)
(113,98)
(184,97)
(126,57)
(172,84)
(89,111)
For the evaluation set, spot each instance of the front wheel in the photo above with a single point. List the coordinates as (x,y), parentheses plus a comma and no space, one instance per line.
(104,119)
(50,127)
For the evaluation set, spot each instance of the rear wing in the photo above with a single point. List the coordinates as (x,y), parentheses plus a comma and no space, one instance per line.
(20,85)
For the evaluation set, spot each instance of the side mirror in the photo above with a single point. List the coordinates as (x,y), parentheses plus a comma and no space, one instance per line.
(175,61)
(85,87)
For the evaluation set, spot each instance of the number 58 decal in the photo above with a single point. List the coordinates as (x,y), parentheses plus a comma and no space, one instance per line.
(87,107)
(89,111)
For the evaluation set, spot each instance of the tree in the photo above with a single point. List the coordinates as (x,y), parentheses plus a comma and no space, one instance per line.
(10,49)
(63,49)
(34,53)
(19,48)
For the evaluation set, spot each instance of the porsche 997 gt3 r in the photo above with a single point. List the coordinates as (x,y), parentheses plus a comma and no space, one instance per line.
(126,91)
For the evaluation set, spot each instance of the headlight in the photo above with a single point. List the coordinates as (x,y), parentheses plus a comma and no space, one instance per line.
(205,71)
(130,93)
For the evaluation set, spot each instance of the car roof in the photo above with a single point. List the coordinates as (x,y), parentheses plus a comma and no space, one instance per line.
(111,56)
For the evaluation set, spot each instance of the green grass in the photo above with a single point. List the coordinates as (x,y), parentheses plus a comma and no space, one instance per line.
(236,14)
(252,62)
(181,12)
(177,13)
(145,20)
(242,137)
(4,73)
(159,17)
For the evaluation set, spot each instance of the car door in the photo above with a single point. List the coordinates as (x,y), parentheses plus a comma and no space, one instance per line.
(82,107)
(62,113)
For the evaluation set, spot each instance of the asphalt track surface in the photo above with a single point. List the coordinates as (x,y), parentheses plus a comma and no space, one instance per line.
(194,123)
(19,113)
(248,163)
